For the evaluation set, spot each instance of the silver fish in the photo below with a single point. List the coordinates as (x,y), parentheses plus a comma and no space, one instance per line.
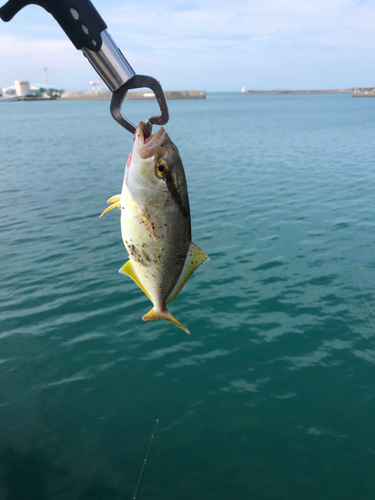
(155,222)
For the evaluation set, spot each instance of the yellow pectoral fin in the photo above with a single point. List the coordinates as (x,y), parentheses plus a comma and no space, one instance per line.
(153,315)
(114,199)
(128,269)
(117,204)
(194,259)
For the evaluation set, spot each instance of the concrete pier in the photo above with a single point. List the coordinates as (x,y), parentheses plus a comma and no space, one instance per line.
(105,96)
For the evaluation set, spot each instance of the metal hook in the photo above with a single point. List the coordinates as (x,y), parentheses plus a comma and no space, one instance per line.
(137,82)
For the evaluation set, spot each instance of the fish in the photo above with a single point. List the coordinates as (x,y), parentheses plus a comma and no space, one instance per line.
(155,222)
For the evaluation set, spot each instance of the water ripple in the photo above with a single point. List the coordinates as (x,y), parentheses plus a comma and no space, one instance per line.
(270,395)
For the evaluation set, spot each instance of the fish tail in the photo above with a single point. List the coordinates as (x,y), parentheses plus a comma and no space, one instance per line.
(153,315)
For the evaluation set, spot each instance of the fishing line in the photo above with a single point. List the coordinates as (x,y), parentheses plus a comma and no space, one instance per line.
(157,463)
(145,462)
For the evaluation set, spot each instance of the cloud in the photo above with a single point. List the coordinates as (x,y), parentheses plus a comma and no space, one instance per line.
(16,52)
(287,44)
(216,45)
(24,60)
(218,23)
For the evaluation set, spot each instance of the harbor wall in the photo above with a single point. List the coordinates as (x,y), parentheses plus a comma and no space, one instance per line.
(105,96)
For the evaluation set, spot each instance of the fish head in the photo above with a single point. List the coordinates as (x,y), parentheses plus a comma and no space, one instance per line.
(155,173)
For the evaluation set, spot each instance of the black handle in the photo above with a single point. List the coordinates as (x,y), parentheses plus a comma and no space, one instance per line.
(78,18)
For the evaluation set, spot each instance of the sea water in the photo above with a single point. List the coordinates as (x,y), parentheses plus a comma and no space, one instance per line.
(272,394)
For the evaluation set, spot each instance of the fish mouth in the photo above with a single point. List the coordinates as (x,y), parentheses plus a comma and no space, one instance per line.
(146,144)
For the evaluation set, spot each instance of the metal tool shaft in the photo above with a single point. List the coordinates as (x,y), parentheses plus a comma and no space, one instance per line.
(87,30)
(109,62)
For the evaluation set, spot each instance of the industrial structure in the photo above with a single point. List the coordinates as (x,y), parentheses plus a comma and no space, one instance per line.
(22,90)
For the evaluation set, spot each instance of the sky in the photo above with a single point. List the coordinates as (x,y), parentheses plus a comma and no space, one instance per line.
(212,45)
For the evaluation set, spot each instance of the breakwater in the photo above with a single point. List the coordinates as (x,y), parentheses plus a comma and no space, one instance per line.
(104,96)
(335,91)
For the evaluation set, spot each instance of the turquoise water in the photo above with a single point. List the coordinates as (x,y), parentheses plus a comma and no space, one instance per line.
(272,394)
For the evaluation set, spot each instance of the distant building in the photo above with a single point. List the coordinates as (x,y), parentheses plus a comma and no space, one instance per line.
(24,89)
(96,86)
(39,90)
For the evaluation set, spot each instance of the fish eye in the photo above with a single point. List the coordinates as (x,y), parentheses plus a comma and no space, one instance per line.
(161,168)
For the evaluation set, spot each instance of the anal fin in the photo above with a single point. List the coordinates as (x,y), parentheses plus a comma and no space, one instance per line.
(128,269)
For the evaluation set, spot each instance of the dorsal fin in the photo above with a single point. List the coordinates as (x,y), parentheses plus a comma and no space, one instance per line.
(194,259)
(115,200)
(128,269)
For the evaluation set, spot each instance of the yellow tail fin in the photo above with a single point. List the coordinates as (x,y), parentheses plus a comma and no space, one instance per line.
(152,315)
